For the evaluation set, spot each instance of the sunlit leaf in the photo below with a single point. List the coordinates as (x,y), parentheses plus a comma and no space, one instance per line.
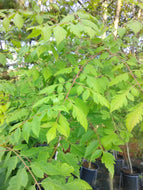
(18,21)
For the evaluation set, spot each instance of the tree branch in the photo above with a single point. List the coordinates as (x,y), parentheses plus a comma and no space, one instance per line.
(25,166)
(82,6)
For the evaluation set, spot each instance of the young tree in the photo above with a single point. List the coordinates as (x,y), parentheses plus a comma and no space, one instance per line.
(71,94)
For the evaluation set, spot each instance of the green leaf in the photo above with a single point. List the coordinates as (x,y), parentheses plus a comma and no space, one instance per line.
(35,32)
(37,170)
(2,151)
(70,159)
(47,73)
(90,69)
(121,32)
(22,177)
(63,128)
(79,90)
(67,18)
(18,21)
(64,71)
(26,131)
(17,135)
(98,98)
(135,92)
(59,169)
(17,115)
(51,134)
(109,161)
(134,117)
(81,117)
(6,23)
(46,33)
(35,126)
(2,59)
(39,19)
(78,184)
(60,108)
(50,89)
(78,150)
(11,165)
(60,34)
(42,101)
(92,83)
(88,30)
(135,26)
(18,181)
(86,136)
(86,95)
(111,139)
(60,88)
(75,30)
(96,155)
(90,24)
(119,101)
(91,148)
(119,78)
(14,184)
(66,169)
(49,184)
(82,105)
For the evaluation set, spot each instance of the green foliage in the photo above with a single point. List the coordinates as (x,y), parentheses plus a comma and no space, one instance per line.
(71,94)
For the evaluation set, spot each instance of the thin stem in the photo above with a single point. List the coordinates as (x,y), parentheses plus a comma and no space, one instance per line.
(4,150)
(111,181)
(129,159)
(55,149)
(89,166)
(24,156)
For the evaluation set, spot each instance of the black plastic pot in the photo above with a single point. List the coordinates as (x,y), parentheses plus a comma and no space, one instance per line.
(119,164)
(102,177)
(89,175)
(131,181)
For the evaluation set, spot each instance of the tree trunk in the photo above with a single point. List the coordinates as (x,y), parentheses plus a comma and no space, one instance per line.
(116,21)
(104,17)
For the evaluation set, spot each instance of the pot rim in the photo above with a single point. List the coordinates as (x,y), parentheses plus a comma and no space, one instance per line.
(129,174)
(91,169)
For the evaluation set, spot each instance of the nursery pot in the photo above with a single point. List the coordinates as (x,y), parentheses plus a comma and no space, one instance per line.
(102,181)
(131,181)
(119,164)
(89,175)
